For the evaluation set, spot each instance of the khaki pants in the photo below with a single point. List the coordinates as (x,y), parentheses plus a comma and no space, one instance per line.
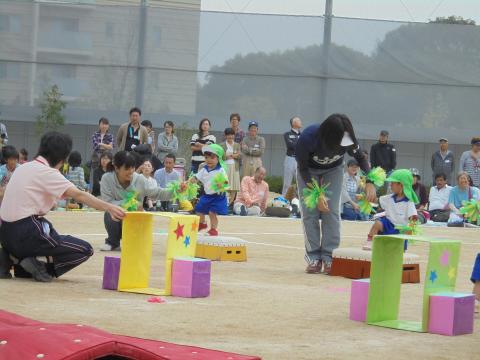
(250,164)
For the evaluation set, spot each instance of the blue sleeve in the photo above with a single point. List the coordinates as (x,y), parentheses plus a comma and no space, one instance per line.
(451,197)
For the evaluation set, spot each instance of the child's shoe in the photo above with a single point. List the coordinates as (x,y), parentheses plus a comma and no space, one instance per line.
(212,232)
(202,226)
(368,244)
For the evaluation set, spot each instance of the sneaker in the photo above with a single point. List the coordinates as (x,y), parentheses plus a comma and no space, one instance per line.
(37,269)
(314,267)
(19,272)
(243,210)
(212,232)
(108,247)
(327,267)
(202,226)
(367,245)
(5,265)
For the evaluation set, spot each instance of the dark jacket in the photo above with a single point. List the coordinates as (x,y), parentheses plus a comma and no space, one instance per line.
(383,155)
(422,194)
(312,154)
(291,138)
(440,165)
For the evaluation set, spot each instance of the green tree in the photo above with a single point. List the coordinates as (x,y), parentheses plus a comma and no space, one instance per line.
(452,19)
(51,106)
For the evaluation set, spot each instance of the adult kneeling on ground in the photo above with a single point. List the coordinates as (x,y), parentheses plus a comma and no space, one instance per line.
(253,196)
(29,196)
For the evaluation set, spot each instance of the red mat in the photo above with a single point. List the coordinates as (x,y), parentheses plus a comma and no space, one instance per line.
(23,338)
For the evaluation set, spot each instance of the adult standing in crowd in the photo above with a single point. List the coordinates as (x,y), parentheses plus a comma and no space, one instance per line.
(383,153)
(132,134)
(3,135)
(319,153)
(253,147)
(470,161)
(167,142)
(231,157)
(290,164)
(235,125)
(253,196)
(443,161)
(198,141)
(150,134)
(102,141)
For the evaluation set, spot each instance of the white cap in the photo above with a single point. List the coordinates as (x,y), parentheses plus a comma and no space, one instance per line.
(346,140)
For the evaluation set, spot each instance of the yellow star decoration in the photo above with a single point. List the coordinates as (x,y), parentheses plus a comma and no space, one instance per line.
(451,272)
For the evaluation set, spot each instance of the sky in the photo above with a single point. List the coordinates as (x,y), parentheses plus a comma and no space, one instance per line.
(403,10)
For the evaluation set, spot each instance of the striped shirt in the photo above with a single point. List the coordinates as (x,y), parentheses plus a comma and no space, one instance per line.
(197,155)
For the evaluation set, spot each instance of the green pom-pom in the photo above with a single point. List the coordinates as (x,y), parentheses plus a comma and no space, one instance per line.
(313,192)
(377,176)
(192,191)
(411,228)
(174,187)
(366,207)
(219,183)
(130,202)
(471,211)
(178,195)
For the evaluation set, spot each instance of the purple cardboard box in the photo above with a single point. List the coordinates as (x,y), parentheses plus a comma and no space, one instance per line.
(451,313)
(111,269)
(191,277)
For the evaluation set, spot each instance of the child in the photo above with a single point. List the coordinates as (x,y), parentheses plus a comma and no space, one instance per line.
(232,161)
(105,159)
(399,207)
(23,156)
(10,156)
(75,173)
(165,176)
(147,170)
(31,193)
(475,278)
(211,203)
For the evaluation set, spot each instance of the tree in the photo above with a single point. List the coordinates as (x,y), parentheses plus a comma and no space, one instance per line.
(51,106)
(452,19)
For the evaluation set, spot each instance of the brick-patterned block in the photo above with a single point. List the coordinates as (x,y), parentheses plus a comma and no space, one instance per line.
(451,313)
(191,277)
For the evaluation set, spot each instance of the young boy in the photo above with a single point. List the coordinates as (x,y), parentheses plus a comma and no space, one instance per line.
(31,193)
(399,207)
(211,203)
(475,278)
(10,156)
(166,175)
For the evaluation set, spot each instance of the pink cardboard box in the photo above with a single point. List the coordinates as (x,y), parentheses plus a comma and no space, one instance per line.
(359,299)
(191,277)
(451,313)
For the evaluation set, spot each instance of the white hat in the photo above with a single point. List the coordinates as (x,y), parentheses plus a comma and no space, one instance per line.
(346,140)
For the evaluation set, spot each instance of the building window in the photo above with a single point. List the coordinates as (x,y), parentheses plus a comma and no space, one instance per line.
(9,70)
(157,36)
(64,71)
(10,23)
(109,27)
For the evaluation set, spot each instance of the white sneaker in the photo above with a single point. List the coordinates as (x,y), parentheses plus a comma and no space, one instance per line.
(367,246)
(106,247)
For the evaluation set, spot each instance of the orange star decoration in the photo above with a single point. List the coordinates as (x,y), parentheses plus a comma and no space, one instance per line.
(451,272)
(194,226)
(179,230)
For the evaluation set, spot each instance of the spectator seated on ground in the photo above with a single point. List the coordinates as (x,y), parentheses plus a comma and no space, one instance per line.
(10,156)
(462,192)
(165,176)
(351,187)
(421,191)
(438,199)
(253,196)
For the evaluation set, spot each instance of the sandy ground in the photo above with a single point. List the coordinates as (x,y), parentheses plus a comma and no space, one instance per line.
(266,306)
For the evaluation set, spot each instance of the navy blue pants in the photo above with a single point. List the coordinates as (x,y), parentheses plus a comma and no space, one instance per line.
(476,270)
(35,236)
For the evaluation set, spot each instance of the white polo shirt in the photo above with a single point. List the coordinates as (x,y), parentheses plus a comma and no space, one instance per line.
(205,176)
(438,199)
(397,211)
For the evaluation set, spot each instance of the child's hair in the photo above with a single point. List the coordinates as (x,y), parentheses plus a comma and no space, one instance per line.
(75,159)
(135,109)
(55,147)
(200,131)
(123,158)
(333,129)
(229,131)
(24,153)
(171,156)
(103,120)
(9,152)
(147,123)
(169,123)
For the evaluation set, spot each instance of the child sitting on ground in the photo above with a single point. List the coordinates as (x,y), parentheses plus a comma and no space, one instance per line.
(75,173)
(399,207)
(105,159)
(147,170)
(23,156)
(10,156)
(32,191)
(212,203)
